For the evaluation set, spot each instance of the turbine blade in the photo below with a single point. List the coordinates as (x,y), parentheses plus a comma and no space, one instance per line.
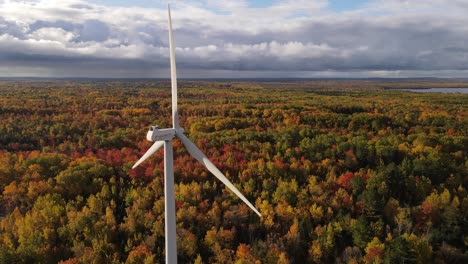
(157,145)
(197,154)
(175,113)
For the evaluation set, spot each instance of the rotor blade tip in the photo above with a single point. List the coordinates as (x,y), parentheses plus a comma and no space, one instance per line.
(258,213)
(136,165)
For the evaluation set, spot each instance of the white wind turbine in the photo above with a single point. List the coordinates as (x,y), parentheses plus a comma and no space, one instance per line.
(163,137)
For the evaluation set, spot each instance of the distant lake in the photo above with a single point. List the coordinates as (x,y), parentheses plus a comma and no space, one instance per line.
(440,90)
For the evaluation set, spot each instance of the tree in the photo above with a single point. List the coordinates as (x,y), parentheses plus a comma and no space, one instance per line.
(360,232)
(374,251)
(399,250)
(140,254)
(244,255)
(39,232)
(83,177)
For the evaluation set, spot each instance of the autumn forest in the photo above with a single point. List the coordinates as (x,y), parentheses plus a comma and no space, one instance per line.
(342,172)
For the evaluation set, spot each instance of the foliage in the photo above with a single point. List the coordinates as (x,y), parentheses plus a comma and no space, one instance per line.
(349,175)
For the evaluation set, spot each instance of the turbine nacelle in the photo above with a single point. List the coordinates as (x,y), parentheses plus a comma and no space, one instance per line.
(155,134)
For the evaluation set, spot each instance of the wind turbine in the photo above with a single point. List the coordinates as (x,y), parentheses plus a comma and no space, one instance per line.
(164,137)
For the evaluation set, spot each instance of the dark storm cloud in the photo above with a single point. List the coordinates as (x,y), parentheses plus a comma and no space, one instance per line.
(85,39)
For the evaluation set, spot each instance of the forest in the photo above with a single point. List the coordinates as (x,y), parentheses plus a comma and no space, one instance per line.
(341,171)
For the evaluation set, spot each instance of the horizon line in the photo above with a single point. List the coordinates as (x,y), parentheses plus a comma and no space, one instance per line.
(234,78)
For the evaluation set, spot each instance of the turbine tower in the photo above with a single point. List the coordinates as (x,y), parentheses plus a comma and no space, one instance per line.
(164,137)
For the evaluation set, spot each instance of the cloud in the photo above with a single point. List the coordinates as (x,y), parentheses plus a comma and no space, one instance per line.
(53,34)
(230,38)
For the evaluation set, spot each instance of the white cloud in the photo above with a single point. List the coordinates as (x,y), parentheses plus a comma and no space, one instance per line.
(52,34)
(383,37)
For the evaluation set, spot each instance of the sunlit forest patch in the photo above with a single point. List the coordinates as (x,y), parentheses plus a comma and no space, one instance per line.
(342,172)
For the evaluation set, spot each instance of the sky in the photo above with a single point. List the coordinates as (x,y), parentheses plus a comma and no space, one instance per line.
(234,39)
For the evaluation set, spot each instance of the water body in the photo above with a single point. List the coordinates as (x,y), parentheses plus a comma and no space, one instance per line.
(440,90)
